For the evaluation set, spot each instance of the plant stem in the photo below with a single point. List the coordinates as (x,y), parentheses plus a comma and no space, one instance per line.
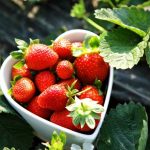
(111,4)
(91,22)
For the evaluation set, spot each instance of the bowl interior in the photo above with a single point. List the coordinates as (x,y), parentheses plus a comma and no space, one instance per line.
(42,127)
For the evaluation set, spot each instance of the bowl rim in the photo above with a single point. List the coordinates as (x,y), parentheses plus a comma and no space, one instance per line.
(48,123)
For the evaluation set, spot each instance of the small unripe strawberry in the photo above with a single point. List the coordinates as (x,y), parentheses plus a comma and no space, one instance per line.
(64,69)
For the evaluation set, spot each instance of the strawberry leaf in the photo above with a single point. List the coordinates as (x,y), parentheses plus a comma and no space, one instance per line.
(78,10)
(132,18)
(122,48)
(17,54)
(15,132)
(125,127)
(147,53)
(58,141)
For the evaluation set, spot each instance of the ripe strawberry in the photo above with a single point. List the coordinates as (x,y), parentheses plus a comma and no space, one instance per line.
(44,79)
(63,48)
(23,90)
(61,118)
(53,98)
(92,93)
(40,56)
(90,67)
(36,109)
(69,82)
(23,71)
(64,69)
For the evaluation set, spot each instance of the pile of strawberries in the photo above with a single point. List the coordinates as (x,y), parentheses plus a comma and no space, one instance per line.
(57,86)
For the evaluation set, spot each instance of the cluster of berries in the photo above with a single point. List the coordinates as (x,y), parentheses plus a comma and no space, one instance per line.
(57,86)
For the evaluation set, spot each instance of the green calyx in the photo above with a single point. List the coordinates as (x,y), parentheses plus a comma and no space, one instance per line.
(90,45)
(22,46)
(13,82)
(85,111)
(72,92)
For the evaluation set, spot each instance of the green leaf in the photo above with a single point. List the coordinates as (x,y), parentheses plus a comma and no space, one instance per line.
(147,53)
(58,141)
(14,131)
(19,64)
(17,54)
(122,48)
(78,10)
(125,127)
(6,148)
(132,18)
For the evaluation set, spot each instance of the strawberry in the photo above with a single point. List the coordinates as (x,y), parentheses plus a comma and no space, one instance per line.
(22,71)
(40,56)
(90,67)
(53,98)
(36,56)
(61,118)
(85,114)
(23,90)
(37,110)
(44,79)
(69,82)
(63,48)
(57,96)
(92,93)
(64,69)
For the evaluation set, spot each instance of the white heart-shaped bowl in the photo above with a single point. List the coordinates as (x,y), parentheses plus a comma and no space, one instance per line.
(43,128)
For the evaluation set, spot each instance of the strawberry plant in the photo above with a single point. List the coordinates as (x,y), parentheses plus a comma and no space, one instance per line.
(123,46)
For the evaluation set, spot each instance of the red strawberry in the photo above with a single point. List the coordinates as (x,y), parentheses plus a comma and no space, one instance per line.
(53,98)
(44,79)
(63,48)
(23,90)
(36,109)
(64,69)
(92,93)
(68,82)
(23,71)
(40,56)
(90,67)
(61,118)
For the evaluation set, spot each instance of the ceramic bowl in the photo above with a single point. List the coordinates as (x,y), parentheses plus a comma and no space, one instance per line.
(42,127)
